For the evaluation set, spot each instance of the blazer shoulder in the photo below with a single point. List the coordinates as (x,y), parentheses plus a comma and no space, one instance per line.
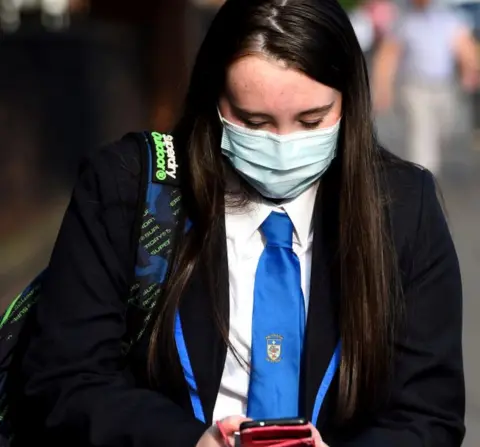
(404,184)
(410,191)
(120,155)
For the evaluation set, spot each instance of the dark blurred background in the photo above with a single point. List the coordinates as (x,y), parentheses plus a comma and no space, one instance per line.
(75,74)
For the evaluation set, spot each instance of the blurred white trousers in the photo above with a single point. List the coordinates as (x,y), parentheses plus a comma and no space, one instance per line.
(430,119)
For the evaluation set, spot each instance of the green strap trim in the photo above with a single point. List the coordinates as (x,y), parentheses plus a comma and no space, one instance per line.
(9,310)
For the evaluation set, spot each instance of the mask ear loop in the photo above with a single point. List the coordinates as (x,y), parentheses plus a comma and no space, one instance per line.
(222,119)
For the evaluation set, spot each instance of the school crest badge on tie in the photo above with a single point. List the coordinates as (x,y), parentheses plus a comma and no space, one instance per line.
(274,348)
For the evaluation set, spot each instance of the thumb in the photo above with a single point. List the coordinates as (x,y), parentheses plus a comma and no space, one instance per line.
(231,424)
(316,436)
(227,427)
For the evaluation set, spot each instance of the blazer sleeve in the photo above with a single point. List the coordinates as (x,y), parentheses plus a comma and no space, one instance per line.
(427,402)
(73,363)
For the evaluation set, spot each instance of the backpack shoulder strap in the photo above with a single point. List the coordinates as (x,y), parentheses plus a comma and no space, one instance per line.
(158,222)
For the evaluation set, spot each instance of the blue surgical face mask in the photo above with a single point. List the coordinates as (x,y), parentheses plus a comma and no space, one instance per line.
(279,166)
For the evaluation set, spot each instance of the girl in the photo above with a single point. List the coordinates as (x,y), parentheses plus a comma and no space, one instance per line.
(310,247)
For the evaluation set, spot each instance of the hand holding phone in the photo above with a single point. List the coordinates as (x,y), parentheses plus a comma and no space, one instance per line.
(295,432)
(222,433)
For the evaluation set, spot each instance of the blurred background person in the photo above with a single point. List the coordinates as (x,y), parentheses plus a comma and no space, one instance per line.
(372,20)
(383,14)
(364,30)
(424,48)
(470,11)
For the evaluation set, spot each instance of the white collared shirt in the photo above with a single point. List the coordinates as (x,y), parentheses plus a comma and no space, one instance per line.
(245,245)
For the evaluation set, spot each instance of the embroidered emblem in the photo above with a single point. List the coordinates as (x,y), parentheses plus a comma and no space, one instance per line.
(274,348)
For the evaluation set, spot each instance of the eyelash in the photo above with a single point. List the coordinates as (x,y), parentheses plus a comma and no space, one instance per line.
(311,125)
(251,125)
(305,124)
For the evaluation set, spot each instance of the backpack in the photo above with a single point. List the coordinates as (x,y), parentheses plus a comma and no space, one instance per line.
(158,219)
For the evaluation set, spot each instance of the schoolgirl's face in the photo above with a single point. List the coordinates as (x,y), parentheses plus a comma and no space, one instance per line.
(262,93)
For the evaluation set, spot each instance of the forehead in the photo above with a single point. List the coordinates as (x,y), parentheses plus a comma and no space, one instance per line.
(263,84)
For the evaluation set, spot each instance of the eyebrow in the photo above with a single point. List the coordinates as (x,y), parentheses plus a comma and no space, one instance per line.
(323,110)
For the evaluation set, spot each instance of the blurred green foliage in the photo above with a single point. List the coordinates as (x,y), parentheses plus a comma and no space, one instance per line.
(349,4)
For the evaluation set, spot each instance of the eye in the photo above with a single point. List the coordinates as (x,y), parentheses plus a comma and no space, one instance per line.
(254,124)
(311,124)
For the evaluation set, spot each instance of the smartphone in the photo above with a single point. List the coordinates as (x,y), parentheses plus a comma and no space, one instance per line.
(284,422)
(263,432)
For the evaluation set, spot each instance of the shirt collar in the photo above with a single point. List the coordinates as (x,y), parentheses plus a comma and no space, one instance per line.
(241,223)
(300,211)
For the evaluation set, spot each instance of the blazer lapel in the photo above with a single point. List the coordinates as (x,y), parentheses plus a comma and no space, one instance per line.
(322,333)
(204,340)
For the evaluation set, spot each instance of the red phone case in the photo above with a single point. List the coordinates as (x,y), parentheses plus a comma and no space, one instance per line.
(277,436)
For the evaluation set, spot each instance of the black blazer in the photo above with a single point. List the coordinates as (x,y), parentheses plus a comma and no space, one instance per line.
(80,394)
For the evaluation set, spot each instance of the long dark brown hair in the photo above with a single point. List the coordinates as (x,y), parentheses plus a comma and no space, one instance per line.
(316,38)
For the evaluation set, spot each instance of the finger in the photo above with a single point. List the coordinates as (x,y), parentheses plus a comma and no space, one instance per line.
(316,436)
(226,428)
(231,424)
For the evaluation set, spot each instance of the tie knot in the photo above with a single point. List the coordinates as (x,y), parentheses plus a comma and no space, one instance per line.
(278,230)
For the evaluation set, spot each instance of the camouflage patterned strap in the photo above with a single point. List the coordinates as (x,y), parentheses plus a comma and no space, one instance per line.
(159,225)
